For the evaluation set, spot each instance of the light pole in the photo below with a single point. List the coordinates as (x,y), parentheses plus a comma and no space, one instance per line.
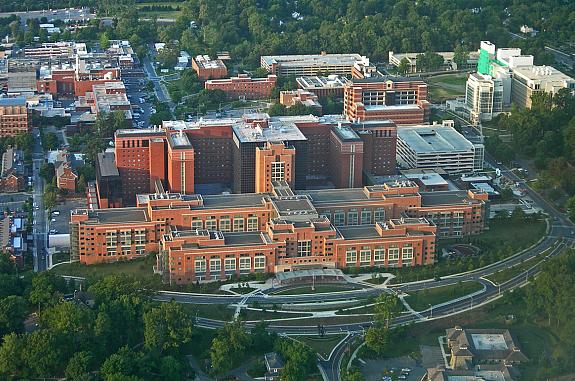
(431,308)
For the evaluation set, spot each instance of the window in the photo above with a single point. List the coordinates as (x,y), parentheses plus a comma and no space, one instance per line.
(197,224)
(238,224)
(304,248)
(111,238)
(230,264)
(215,264)
(365,256)
(140,236)
(393,253)
(200,265)
(140,250)
(253,224)
(366,217)
(339,218)
(225,225)
(379,254)
(407,252)
(352,217)
(245,263)
(211,225)
(350,257)
(259,262)
(278,171)
(379,215)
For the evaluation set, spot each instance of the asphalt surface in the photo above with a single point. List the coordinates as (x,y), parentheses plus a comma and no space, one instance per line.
(74,14)
(159,89)
(40,222)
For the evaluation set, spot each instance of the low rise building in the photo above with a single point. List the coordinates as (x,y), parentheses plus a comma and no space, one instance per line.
(530,80)
(14,119)
(290,98)
(438,146)
(243,86)
(400,99)
(332,85)
(210,237)
(353,65)
(274,366)
(448,61)
(12,172)
(207,68)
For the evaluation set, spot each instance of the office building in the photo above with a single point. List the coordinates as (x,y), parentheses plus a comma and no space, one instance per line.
(290,98)
(210,237)
(22,77)
(400,99)
(483,97)
(437,146)
(14,118)
(332,85)
(223,152)
(353,65)
(448,62)
(243,87)
(530,80)
(207,68)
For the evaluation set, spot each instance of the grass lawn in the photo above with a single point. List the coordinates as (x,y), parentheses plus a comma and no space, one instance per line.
(318,289)
(139,268)
(446,86)
(242,290)
(210,311)
(510,272)
(420,300)
(322,345)
(251,315)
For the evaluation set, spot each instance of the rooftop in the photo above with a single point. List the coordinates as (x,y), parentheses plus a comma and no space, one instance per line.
(346,134)
(316,82)
(107,164)
(432,139)
(118,216)
(314,59)
(445,198)
(16,101)
(234,200)
(277,131)
(179,140)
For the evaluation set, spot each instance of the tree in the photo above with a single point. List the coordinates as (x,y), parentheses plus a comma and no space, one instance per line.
(377,339)
(386,307)
(79,367)
(460,56)
(404,66)
(167,327)
(44,354)
(13,312)
(46,289)
(11,352)
(50,200)
(122,363)
(229,347)
(300,359)
(47,172)
(104,41)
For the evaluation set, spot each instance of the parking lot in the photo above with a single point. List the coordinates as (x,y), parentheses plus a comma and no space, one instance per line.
(60,224)
(377,370)
(135,90)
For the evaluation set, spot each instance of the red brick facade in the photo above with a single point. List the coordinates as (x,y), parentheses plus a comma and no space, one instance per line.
(244,87)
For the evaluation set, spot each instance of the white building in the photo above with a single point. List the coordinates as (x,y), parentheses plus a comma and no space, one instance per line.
(529,80)
(483,97)
(437,146)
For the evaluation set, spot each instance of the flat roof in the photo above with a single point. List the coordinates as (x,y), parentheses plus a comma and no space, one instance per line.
(444,198)
(489,341)
(358,232)
(17,101)
(234,200)
(313,59)
(276,131)
(119,215)
(107,164)
(543,74)
(386,78)
(434,138)
(317,82)
(346,134)
(179,140)
(334,195)
(243,238)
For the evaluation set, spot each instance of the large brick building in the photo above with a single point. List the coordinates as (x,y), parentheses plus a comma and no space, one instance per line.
(403,100)
(13,116)
(207,68)
(243,86)
(209,237)
(223,152)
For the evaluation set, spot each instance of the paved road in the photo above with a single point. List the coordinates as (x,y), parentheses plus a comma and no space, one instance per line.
(75,14)
(40,220)
(159,89)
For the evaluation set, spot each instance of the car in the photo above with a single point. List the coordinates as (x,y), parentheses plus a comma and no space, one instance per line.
(405,370)
(56,212)
(53,220)
(402,377)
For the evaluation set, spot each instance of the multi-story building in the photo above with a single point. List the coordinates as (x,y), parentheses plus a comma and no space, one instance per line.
(402,100)
(448,61)
(224,153)
(22,77)
(207,68)
(290,98)
(353,65)
(105,97)
(216,236)
(13,116)
(528,81)
(437,146)
(483,97)
(243,86)
(50,50)
(332,85)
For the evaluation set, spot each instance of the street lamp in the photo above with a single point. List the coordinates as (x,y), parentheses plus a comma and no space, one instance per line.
(431,314)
